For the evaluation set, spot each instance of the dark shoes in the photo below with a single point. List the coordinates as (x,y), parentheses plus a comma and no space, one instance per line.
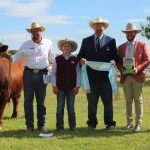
(91,128)
(72,128)
(60,129)
(42,129)
(30,129)
(110,127)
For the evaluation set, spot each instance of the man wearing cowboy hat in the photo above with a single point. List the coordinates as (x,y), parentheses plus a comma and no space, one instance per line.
(37,52)
(101,48)
(66,82)
(133,80)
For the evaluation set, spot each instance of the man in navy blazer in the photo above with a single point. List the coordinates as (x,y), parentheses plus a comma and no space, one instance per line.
(100,48)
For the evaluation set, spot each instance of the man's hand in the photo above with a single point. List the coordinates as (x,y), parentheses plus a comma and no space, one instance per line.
(113,62)
(75,90)
(55,89)
(82,61)
(135,70)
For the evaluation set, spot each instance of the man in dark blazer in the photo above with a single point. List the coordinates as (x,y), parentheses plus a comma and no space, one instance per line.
(99,48)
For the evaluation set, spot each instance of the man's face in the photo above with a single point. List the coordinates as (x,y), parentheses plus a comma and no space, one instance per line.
(99,28)
(36,33)
(130,35)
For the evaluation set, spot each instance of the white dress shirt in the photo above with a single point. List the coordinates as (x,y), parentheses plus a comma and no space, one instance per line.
(54,68)
(37,56)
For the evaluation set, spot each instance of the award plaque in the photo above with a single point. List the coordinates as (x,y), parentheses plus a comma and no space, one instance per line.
(128,65)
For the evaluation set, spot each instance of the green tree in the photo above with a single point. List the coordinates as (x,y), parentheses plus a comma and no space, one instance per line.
(12,51)
(146,29)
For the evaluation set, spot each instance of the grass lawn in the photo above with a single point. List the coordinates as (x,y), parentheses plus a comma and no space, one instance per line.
(14,137)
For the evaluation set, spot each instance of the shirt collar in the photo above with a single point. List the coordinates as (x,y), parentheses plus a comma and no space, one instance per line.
(132,42)
(99,37)
(67,57)
(42,41)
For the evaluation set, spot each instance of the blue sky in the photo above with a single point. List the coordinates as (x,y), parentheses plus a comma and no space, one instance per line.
(66,18)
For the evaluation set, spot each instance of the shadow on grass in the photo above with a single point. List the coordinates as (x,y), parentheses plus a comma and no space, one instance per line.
(84,132)
(67,134)
(9,117)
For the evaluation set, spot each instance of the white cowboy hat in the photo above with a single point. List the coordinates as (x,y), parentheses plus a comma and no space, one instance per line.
(131,27)
(99,20)
(35,25)
(67,40)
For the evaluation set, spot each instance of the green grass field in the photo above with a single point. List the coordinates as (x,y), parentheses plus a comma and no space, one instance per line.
(14,137)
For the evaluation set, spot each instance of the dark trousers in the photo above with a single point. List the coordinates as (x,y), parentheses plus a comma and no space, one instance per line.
(104,90)
(33,84)
(70,99)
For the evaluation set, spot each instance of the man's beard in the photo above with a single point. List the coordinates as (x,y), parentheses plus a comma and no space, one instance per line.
(99,32)
(37,37)
(131,39)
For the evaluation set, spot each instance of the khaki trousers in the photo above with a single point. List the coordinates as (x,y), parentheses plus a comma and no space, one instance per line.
(133,92)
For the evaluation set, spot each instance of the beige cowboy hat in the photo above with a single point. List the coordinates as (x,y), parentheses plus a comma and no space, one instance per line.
(99,20)
(67,40)
(35,25)
(131,27)
(3,48)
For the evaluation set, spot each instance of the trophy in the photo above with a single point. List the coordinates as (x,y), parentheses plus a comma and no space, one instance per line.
(128,65)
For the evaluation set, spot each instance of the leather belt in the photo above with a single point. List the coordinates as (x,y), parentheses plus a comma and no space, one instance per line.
(36,70)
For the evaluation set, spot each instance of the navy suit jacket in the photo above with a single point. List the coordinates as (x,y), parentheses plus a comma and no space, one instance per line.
(107,53)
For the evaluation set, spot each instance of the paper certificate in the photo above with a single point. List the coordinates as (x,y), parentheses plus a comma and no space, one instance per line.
(128,65)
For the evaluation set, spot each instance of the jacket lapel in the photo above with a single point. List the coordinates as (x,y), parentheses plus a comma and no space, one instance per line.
(124,50)
(93,48)
(135,49)
(103,41)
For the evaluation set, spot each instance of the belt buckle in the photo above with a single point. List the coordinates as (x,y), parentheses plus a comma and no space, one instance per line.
(36,70)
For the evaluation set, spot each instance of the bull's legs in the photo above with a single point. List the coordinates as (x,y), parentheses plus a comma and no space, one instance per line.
(15,107)
(3,102)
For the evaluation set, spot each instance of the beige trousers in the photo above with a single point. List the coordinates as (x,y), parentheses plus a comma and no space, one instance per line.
(133,94)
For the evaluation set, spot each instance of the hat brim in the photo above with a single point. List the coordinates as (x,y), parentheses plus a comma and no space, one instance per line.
(105,23)
(3,48)
(62,42)
(41,28)
(137,31)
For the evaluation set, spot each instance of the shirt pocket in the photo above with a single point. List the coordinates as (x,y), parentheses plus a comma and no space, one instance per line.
(29,51)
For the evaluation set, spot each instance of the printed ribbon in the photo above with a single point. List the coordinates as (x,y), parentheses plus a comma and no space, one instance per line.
(99,66)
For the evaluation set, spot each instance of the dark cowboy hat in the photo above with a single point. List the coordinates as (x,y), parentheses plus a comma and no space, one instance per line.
(3,48)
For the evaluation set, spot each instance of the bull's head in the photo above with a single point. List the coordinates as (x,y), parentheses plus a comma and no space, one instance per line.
(4,53)
(3,48)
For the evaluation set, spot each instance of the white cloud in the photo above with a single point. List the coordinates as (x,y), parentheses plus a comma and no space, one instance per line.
(136,20)
(32,9)
(84,31)
(14,37)
(85,17)
(57,19)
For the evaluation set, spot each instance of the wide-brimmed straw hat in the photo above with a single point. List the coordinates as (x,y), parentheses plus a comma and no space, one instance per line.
(99,20)
(3,48)
(35,25)
(67,40)
(131,27)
